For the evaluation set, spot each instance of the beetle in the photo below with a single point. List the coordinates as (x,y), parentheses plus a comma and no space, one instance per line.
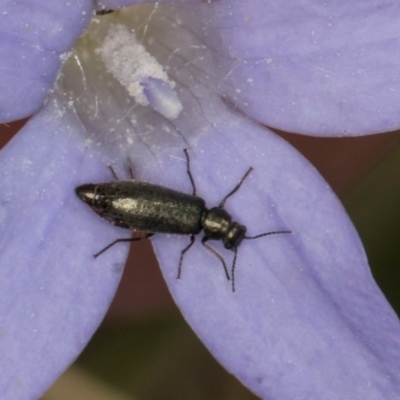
(143,206)
(104,11)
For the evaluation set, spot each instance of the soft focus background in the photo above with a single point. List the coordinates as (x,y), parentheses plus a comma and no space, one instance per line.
(145,350)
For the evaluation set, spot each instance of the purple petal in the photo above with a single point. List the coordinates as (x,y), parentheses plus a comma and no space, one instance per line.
(116,4)
(162,97)
(54,293)
(34,34)
(314,67)
(306,320)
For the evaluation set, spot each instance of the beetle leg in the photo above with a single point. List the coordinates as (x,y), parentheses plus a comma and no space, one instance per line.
(122,240)
(113,172)
(130,168)
(220,258)
(189,173)
(236,188)
(192,239)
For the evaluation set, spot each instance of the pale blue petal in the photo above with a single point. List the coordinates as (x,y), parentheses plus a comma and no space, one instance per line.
(307,320)
(312,67)
(53,293)
(34,34)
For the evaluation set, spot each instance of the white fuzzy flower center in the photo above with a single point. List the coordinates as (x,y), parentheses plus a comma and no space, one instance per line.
(138,71)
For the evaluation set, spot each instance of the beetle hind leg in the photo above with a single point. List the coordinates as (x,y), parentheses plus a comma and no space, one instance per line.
(134,239)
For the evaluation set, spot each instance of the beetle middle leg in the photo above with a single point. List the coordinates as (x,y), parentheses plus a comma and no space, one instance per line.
(113,172)
(236,188)
(130,169)
(192,239)
(122,240)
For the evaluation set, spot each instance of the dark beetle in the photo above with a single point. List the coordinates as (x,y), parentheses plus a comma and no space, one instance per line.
(103,12)
(142,206)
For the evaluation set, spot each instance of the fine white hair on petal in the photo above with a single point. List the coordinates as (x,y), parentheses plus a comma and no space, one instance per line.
(131,64)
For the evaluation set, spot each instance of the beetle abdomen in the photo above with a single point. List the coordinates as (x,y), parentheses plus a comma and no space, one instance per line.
(146,207)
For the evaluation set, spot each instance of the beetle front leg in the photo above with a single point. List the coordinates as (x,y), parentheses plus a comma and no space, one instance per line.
(220,258)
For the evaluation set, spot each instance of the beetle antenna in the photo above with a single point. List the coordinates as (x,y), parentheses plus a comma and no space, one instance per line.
(236,251)
(266,234)
(233,270)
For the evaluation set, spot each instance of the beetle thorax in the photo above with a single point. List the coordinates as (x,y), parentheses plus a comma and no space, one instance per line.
(218,225)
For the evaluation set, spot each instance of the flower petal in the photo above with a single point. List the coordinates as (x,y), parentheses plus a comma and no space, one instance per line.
(313,67)
(303,320)
(34,34)
(53,293)
(117,4)
(307,319)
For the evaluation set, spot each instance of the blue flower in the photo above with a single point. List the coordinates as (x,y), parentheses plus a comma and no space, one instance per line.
(307,319)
